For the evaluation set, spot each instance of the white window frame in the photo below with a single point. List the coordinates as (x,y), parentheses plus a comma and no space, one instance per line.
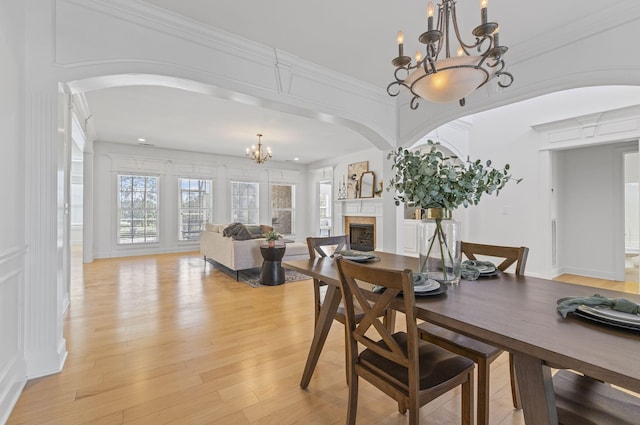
(251,211)
(291,209)
(203,208)
(144,211)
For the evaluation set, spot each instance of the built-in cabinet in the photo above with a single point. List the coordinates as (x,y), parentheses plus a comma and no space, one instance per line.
(410,232)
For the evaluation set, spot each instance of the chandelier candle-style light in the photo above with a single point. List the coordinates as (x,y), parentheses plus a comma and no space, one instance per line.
(255,153)
(439,77)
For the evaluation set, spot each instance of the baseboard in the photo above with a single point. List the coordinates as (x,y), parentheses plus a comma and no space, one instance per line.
(598,274)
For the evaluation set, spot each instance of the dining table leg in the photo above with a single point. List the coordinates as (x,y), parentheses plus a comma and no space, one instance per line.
(536,390)
(325,319)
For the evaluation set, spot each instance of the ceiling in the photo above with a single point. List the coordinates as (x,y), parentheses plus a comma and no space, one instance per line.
(355,37)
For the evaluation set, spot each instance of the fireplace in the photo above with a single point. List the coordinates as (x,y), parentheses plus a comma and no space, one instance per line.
(361,236)
(361,232)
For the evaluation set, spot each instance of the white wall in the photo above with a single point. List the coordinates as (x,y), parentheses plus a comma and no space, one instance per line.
(12,225)
(522,213)
(111,159)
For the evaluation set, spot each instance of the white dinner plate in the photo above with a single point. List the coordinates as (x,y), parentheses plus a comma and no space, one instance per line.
(359,258)
(607,313)
(426,286)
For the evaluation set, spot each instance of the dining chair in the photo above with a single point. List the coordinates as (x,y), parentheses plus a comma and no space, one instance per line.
(326,246)
(482,354)
(411,371)
(581,400)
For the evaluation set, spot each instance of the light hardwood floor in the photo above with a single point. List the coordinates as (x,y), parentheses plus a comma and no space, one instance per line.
(166,339)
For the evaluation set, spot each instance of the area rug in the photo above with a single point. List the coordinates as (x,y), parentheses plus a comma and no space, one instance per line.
(252,276)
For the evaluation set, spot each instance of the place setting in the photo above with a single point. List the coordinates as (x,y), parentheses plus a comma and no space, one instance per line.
(474,270)
(357,256)
(617,312)
(422,286)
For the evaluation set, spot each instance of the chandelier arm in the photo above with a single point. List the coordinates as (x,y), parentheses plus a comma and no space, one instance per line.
(509,78)
(401,68)
(397,92)
(414,102)
(464,45)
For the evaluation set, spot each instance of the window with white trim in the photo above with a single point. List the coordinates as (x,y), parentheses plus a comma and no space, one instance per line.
(194,207)
(282,208)
(245,202)
(137,209)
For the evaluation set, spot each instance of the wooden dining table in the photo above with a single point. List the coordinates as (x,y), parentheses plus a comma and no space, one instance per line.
(515,313)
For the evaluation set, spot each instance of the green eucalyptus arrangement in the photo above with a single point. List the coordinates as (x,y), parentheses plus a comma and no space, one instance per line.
(433,180)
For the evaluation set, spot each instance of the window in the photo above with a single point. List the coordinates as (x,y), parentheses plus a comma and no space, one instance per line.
(194,209)
(244,202)
(282,211)
(137,209)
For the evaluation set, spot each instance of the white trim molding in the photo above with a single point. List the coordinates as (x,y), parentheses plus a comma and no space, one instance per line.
(13,375)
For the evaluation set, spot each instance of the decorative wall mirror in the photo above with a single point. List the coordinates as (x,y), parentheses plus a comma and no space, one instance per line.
(367,180)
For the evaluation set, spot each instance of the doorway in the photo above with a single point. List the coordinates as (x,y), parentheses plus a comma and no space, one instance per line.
(324,203)
(631,215)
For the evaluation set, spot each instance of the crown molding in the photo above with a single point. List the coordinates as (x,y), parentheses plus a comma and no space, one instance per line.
(581,28)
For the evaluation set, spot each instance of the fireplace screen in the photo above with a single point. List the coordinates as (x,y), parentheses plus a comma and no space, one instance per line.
(361,237)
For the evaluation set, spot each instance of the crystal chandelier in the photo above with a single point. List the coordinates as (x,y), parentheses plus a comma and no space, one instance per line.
(447,79)
(255,153)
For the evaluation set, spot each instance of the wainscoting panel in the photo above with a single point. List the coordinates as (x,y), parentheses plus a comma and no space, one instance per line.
(13,372)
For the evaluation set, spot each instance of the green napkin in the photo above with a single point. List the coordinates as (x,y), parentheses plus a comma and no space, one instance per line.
(469,269)
(570,304)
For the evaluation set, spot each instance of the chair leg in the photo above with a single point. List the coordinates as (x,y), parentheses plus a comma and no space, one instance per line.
(353,400)
(467,400)
(414,411)
(402,407)
(389,320)
(347,359)
(483,391)
(515,392)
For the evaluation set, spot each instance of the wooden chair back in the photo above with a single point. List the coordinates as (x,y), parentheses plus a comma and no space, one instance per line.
(323,247)
(357,281)
(510,254)
(320,245)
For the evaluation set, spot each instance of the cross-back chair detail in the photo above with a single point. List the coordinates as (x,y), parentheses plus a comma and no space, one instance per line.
(323,247)
(407,369)
(317,246)
(509,254)
(482,354)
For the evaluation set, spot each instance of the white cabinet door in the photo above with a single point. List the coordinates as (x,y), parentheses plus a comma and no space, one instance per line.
(411,237)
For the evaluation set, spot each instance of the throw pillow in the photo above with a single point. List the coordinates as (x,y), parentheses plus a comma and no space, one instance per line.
(232,229)
(242,234)
(255,231)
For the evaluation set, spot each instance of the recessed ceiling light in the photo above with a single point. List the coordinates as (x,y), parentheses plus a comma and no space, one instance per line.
(142,139)
(296,159)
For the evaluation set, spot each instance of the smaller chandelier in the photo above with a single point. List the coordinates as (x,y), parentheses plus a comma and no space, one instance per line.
(255,153)
(450,78)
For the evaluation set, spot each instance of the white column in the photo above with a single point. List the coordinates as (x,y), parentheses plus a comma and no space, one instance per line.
(87,203)
(45,347)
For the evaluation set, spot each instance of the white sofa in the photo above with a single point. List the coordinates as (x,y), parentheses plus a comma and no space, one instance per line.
(241,255)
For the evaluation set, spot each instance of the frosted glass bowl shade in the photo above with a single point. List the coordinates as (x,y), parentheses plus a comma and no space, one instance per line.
(456,78)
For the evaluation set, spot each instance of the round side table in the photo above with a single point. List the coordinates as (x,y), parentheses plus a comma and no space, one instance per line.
(272,272)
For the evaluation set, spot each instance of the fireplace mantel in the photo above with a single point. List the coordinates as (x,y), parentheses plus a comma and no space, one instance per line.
(365,210)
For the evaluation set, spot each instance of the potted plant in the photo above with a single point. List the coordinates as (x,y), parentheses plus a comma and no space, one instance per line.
(272,236)
(439,184)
